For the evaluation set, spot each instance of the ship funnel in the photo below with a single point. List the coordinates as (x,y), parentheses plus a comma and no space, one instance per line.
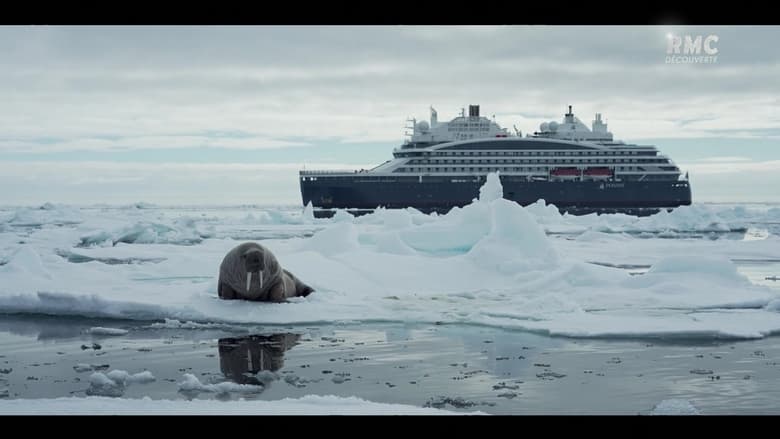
(473,110)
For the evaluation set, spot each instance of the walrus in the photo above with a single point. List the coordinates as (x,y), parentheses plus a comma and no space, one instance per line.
(251,272)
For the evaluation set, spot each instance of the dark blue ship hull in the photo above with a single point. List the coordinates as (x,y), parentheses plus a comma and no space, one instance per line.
(442,193)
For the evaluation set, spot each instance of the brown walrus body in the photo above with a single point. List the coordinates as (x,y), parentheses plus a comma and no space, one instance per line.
(251,272)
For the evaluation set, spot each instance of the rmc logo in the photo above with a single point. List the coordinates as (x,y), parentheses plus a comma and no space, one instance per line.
(687,49)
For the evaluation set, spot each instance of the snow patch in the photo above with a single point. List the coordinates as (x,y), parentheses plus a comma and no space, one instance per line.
(307,405)
(675,407)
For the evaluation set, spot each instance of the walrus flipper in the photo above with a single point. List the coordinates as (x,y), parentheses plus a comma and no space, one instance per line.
(226,292)
(301,289)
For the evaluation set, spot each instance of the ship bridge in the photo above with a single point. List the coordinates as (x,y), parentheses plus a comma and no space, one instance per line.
(473,126)
(573,129)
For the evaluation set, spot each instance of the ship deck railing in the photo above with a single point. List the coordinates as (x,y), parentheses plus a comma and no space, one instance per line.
(333,171)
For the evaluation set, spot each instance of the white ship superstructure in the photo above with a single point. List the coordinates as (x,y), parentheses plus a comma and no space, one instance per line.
(469,145)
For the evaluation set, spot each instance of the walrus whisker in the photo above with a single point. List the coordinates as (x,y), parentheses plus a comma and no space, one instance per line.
(249,280)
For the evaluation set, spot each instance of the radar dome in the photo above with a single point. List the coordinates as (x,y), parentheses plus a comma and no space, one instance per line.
(553,126)
(423,126)
(544,127)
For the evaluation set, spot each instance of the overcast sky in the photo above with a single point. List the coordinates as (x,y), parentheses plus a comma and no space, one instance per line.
(203,115)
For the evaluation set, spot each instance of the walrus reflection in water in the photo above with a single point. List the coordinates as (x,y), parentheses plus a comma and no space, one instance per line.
(241,356)
(251,272)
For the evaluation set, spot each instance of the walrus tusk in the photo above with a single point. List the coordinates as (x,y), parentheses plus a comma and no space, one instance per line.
(261,280)
(248,280)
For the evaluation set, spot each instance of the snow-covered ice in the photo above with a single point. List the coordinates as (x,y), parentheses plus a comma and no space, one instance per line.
(307,405)
(492,263)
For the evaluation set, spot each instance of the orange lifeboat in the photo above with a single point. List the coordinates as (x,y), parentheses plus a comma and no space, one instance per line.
(602,172)
(565,172)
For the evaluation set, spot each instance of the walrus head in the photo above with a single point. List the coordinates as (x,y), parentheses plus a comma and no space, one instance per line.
(253,263)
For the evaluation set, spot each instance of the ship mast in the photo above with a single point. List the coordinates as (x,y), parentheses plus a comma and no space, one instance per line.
(413,121)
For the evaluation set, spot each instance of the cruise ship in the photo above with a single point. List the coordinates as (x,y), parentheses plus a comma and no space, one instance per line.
(443,164)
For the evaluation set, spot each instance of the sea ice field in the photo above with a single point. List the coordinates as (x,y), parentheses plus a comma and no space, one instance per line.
(492,308)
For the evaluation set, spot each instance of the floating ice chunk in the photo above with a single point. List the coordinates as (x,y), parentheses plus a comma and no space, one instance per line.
(115,382)
(100,379)
(192,384)
(97,330)
(118,376)
(140,377)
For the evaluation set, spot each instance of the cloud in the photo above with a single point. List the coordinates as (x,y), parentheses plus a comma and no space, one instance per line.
(143,142)
(359,83)
(129,90)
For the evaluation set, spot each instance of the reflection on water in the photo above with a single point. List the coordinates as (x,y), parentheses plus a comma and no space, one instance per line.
(242,357)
